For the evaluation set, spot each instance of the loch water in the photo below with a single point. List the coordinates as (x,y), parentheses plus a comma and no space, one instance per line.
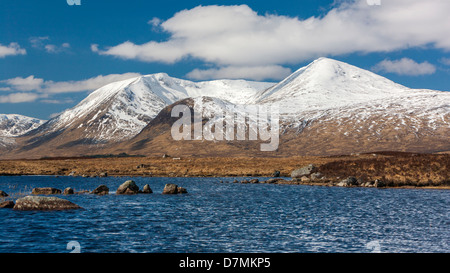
(216,217)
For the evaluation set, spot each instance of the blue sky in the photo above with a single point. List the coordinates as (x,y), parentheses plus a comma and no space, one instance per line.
(53,54)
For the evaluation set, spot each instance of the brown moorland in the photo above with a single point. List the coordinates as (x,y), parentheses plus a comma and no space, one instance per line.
(394,168)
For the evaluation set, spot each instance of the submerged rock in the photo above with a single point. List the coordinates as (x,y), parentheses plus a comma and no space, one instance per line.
(7,205)
(45,191)
(3,194)
(307,170)
(101,190)
(44,203)
(128,187)
(273,181)
(173,189)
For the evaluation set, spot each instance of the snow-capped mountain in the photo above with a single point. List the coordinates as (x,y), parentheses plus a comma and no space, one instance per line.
(332,91)
(120,110)
(327,107)
(15,125)
(12,126)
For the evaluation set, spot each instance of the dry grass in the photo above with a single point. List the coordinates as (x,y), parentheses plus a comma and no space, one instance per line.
(397,169)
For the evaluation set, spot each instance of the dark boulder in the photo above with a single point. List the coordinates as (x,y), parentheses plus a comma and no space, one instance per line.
(276,174)
(7,205)
(44,203)
(352,181)
(45,191)
(3,194)
(68,191)
(128,187)
(101,190)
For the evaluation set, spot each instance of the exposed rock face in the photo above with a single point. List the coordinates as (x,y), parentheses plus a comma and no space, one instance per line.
(147,189)
(44,203)
(173,189)
(128,187)
(7,205)
(46,191)
(3,194)
(68,191)
(101,190)
(304,171)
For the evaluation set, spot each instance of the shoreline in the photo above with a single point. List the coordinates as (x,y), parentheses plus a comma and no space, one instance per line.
(287,182)
(395,170)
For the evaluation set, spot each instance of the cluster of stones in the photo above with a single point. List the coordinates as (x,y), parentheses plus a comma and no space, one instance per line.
(38,202)
(309,175)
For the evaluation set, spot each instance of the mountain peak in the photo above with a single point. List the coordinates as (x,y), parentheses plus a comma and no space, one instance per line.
(327,83)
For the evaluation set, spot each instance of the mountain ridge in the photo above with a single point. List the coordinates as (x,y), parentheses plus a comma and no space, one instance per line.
(326,101)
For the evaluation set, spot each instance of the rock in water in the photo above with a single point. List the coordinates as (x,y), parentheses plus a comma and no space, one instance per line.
(3,194)
(173,189)
(147,189)
(276,174)
(46,191)
(304,171)
(68,191)
(7,205)
(101,190)
(129,187)
(44,203)
(170,189)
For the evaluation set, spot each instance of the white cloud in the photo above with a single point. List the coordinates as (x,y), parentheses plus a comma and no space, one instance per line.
(19,97)
(38,42)
(238,36)
(405,66)
(31,88)
(94,48)
(42,43)
(257,73)
(155,22)
(11,50)
(445,61)
(24,84)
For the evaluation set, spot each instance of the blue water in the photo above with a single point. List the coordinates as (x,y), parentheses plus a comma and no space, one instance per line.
(227,217)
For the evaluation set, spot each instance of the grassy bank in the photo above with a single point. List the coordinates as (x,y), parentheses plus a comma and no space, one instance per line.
(395,169)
